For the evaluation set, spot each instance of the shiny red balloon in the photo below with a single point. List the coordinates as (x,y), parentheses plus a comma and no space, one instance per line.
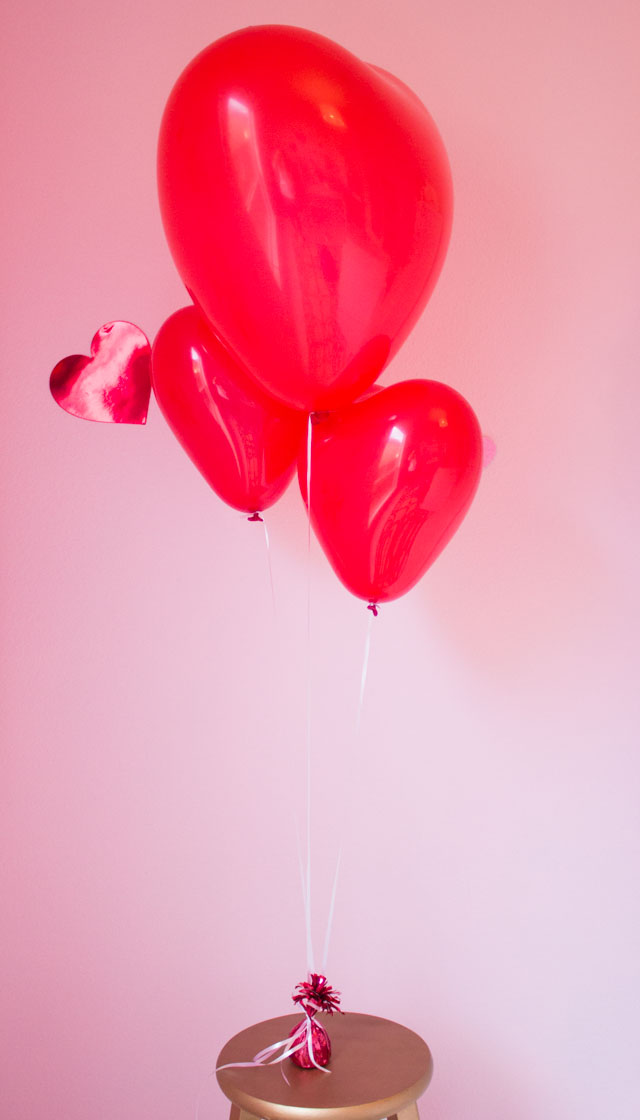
(112,386)
(242,441)
(306,197)
(392,477)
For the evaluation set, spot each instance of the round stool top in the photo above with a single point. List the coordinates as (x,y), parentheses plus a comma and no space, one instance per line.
(377,1068)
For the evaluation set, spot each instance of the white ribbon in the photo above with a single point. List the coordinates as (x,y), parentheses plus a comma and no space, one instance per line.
(349,796)
(307,874)
(289,1045)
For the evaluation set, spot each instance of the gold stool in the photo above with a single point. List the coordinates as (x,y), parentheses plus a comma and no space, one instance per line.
(378,1069)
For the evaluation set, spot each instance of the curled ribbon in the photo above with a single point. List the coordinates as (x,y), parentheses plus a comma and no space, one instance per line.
(313,995)
(289,1045)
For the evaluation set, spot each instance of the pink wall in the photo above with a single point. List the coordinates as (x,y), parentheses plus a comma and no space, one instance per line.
(153,724)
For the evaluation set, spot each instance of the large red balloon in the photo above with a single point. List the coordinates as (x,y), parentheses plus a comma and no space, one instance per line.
(242,441)
(306,198)
(392,477)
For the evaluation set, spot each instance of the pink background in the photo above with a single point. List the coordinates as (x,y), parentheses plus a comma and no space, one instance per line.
(153,723)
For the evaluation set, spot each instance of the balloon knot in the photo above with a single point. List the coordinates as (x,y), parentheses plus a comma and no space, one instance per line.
(318,417)
(255,517)
(373,607)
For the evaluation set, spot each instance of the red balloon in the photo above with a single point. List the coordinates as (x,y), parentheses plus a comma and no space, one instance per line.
(392,477)
(306,197)
(242,441)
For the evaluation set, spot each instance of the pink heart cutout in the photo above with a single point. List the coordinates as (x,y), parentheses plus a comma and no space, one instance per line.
(113,385)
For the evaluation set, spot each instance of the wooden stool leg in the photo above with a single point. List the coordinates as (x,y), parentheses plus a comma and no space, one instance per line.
(238,1113)
(408,1113)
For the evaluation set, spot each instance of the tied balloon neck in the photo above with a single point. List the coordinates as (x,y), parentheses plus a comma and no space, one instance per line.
(255,517)
(319,417)
(373,607)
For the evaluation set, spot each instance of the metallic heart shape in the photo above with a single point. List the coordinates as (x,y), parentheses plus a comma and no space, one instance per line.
(113,385)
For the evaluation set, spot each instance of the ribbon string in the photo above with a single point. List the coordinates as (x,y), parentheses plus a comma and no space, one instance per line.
(307,885)
(306,875)
(348,796)
(268,547)
(302,1037)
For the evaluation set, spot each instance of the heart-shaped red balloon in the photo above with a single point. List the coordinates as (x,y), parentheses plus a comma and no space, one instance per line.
(242,441)
(113,385)
(306,197)
(392,477)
